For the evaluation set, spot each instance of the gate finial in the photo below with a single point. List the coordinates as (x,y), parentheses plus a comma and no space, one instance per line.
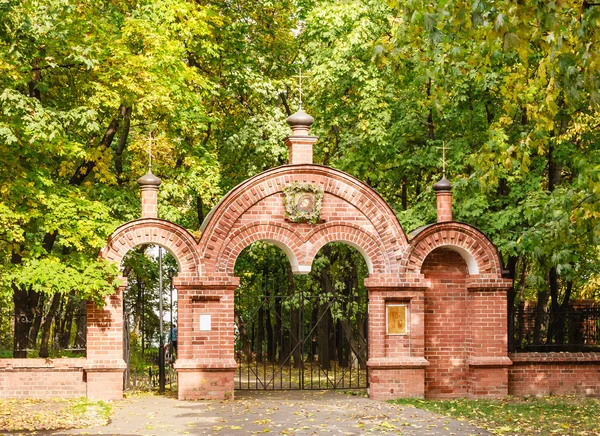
(443,192)
(149,184)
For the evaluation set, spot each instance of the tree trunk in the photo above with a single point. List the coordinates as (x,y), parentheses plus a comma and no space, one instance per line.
(81,336)
(260,333)
(540,312)
(23,320)
(47,324)
(270,338)
(67,324)
(294,322)
(323,337)
(404,194)
(36,301)
(126,114)
(314,316)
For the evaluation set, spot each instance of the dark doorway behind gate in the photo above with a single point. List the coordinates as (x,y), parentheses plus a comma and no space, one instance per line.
(301,332)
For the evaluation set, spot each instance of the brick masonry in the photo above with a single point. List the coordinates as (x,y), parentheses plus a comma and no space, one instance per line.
(447,274)
(555,374)
(42,378)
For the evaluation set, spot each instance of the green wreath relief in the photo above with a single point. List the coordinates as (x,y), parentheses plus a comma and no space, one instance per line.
(303,202)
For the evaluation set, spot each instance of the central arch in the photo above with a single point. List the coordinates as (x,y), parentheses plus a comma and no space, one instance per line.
(351,212)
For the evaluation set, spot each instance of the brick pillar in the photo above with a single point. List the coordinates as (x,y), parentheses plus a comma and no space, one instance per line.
(205,357)
(443,195)
(300,143)
(104,364)
(149,184)
(396,361)
(488,345)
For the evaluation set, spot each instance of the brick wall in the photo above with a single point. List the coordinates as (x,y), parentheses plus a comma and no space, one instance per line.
(42,378)
(555,374)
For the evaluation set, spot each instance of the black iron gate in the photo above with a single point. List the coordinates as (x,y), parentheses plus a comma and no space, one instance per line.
(300,342)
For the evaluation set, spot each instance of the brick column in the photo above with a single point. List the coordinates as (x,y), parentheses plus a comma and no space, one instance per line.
(487,342)
(396,362)
(205,362)
(443,196)
(105,365)
(300,143)
(149,185)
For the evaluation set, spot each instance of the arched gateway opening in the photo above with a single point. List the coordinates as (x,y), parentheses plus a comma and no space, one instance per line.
(298,332)
(302,208)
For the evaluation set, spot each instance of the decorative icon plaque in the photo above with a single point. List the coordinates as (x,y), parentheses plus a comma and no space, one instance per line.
(396,319)
(303,202)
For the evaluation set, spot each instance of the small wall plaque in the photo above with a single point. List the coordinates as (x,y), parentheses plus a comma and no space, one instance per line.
(396,319)
(205,322)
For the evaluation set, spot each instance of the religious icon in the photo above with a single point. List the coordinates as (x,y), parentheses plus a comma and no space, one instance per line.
(396,319)
(305,202)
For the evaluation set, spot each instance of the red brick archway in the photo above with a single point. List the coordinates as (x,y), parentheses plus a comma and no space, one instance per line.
(150,231)
(351,213)
(479,253)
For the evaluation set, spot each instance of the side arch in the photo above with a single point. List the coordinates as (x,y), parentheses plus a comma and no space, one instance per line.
(157,232)
(480,255)
(367,244)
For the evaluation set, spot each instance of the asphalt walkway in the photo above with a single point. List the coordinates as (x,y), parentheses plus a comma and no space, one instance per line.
(279,412)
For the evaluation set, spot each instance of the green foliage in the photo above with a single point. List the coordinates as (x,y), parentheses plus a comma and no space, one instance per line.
(510,88)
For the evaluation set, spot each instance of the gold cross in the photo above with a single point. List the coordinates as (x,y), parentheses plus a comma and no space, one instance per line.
(150,140)
(443,159)
(299,76)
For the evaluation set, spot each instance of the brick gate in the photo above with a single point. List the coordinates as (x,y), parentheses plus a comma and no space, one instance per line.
(437,303)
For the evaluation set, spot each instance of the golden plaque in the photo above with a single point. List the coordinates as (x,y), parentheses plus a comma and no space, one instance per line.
(396,319)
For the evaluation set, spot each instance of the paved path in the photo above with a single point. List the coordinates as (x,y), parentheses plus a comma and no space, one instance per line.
(281,412)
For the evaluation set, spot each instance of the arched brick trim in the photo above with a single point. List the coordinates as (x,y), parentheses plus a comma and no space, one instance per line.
(480,254)
(367,203)
(282,235)
(371,248)
(158,232)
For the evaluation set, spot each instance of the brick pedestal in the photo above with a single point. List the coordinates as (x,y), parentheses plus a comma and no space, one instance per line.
(390,379)
(206,383)
(105,365)
(105,382)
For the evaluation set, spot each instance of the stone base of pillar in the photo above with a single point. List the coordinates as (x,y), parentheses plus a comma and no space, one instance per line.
(104,379)
(488,377)
(205,380)
(104,385)
(391,379)
(205,384)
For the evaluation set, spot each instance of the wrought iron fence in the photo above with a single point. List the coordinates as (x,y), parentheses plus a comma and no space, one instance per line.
(145,376)
(37,335)
(573,328)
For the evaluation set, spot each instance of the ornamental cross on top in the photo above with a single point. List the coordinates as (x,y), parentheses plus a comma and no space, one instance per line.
(149,139)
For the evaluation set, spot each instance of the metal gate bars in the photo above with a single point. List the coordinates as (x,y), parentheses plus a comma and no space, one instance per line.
(300,342)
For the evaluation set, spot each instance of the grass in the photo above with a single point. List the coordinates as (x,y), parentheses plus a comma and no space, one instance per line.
(52,414)
(554,415)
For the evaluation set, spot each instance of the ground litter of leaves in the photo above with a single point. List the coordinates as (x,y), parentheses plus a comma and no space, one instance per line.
(553,415)
(51,414)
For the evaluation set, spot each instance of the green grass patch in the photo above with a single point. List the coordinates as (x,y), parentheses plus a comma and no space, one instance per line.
(556,415)
(52,414)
